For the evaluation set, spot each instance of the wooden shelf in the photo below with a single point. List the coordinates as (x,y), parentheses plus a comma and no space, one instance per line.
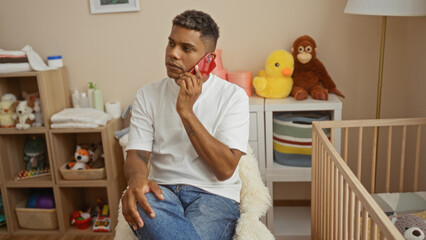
(69,195)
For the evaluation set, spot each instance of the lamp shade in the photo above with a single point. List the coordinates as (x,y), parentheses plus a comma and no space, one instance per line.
(387,7)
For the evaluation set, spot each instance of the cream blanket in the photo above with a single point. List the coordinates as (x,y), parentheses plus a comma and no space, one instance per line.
(79,118)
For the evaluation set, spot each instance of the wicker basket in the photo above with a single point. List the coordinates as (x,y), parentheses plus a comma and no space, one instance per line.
(36,218)
(87,174)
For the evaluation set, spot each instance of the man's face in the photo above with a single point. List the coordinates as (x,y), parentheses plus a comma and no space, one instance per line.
(183,51)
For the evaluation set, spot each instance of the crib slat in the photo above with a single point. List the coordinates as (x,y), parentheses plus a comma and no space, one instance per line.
(360,132)
(374,160)
(373,231)
(401,167)
(351,214)
(364,233)
(357,220)
(417,161)
(388,160)
(340,208)
(345,211)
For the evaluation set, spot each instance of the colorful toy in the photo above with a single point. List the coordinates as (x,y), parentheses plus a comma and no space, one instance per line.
(34,150)
(7,110)
(309,72)
(410,226)
(81,219)
(24,115)
(275,81)
(27,174)
(32,199)
(82,158)
(2,217)
(45,200)
(41,199)
(103,220)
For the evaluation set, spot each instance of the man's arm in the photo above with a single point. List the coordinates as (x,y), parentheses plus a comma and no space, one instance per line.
(136,173)
(219,157)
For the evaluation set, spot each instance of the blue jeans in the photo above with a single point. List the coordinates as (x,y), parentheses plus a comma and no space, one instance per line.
(188,213)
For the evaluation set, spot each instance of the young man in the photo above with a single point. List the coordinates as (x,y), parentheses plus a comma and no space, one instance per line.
(193,131)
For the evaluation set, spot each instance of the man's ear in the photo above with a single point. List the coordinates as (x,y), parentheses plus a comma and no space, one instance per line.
(213,55)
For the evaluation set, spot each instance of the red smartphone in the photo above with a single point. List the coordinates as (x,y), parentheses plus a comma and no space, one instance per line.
(205,65)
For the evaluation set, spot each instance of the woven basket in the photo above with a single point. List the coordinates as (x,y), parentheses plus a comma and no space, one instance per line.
(36,218)
(87,174)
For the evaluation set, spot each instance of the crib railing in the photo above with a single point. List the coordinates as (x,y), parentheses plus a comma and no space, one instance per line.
(341,207)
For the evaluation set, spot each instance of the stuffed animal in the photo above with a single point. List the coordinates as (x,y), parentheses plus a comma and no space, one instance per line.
(275,81)
(35,97)
(309,72)
(82,158)
(24,115)
(411,227)
(34,151)
(7,110)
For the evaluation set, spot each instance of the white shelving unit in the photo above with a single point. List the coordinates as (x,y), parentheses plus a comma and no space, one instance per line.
(292,222)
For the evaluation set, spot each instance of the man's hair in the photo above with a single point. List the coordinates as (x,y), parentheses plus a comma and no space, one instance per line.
(202,22)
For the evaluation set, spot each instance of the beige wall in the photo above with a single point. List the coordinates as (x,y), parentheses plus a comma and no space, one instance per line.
(123,51)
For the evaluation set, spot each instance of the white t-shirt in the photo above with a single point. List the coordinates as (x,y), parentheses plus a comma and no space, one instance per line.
(155,126)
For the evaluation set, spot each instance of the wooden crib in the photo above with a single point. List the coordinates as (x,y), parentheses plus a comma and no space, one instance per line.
(377,156)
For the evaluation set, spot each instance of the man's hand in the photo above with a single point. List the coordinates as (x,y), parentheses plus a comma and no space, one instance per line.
(190,90)
(138,187)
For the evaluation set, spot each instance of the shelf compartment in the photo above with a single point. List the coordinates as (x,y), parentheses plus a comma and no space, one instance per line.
(64,146)
(79,198)
(52,87)
(15,197)
(12,155)
(292,223)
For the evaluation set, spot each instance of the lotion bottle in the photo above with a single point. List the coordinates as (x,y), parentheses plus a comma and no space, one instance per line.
(98,100)
(90,92)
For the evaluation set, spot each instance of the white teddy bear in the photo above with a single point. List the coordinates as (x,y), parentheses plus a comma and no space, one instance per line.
(24,115)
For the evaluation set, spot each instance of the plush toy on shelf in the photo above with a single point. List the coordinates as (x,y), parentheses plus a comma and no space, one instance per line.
(309,72)
(35,99)
(82,158)
(34,151)
(7,110)
(24,115)
(410,226)
(275,81)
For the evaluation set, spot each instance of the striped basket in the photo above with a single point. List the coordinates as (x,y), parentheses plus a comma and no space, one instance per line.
(293,137)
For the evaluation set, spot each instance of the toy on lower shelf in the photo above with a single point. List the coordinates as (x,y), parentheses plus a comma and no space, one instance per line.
(81,219)
(103,220)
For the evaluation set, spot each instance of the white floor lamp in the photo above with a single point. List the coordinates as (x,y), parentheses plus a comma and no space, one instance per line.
(385,8)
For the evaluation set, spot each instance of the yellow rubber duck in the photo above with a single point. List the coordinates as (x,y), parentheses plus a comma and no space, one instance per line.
(275,81)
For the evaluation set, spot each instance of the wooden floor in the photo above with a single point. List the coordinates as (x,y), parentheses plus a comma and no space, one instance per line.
(55,237)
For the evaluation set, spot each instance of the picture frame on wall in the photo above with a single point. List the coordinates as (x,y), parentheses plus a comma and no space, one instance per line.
(112,6)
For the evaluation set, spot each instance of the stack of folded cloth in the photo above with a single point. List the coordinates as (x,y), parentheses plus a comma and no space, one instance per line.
(21,61)
(13,61)
(79,118)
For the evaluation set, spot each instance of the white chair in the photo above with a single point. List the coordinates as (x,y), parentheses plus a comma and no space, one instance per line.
(255,201)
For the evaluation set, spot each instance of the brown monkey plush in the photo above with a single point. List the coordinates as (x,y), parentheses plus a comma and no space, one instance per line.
(309,72)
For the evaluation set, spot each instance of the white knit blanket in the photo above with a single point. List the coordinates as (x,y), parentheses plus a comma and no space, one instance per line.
(79,118)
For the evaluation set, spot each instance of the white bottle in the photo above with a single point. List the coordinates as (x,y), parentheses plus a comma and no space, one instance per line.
(84,101)
(76,99)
